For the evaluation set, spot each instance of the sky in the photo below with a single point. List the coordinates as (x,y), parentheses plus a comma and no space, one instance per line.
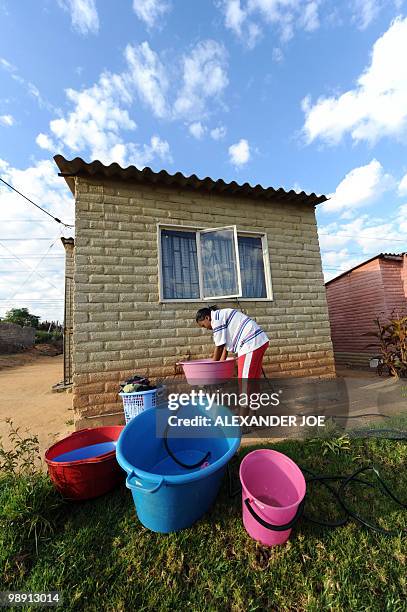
(302,94)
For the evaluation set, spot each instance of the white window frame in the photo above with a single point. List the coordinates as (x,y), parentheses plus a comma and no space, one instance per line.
(198,233)
(194,228)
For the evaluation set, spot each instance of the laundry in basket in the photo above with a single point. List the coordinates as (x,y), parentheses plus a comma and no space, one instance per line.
(137,395)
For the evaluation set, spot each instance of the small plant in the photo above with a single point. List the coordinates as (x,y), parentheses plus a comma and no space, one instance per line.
(29,504)
(336,445)
(23,457)
(391,340)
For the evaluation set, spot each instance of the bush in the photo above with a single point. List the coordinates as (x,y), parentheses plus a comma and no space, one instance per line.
(44,337)
(391,340)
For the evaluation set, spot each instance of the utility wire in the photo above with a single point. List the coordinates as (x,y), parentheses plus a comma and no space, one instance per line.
(36,205)
(29,256)
(340,235)
(27,266)
(33,271)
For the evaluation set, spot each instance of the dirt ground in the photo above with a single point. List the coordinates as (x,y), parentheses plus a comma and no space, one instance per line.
(26,397)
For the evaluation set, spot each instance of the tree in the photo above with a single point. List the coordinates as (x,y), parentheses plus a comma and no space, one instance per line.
(22,317)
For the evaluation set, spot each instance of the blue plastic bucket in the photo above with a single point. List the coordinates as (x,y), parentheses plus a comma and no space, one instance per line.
(167,496)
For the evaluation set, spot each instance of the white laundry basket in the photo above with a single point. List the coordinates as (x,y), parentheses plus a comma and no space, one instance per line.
(136,402)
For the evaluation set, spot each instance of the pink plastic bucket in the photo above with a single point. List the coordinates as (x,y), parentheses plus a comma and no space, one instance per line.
(273,491)
(207,371)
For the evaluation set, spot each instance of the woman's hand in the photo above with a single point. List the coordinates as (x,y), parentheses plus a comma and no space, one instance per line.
(218,353)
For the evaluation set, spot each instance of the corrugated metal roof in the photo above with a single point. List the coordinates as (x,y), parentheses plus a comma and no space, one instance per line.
(396,256)
(78,167)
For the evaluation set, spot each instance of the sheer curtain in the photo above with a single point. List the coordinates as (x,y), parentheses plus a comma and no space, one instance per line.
(252,267)
(219,264)
(179,265)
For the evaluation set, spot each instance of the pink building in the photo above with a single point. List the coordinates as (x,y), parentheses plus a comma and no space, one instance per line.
(374,288)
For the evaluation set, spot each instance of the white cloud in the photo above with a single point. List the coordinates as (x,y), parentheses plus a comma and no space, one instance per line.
(140,156)
(402,220)
(95,124)
(96,120)
(6,65)
(7,120)
(148,75)
(218,133)
(239,153)
(174,92)
(360,187)
(376,107)
(99,114)
(236,19)
(344,245)
(277,55)
(310,17)
(246,18)
(197,130)
(204,77)
(84,16)
(365,11)
(151,11)
(45,142)
(31,89)
(402,188)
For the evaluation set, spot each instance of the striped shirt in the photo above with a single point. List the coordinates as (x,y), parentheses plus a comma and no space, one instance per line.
(236,331)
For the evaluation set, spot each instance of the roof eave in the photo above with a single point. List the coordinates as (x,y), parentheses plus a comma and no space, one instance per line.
(77,167)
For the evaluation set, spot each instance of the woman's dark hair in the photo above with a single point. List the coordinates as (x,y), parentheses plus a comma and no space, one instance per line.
(205,312)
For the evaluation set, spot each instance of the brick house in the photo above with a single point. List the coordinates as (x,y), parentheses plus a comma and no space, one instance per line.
(144,262)
(374,288)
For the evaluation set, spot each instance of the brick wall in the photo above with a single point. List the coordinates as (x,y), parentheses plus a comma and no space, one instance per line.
(119,325)
(14,337)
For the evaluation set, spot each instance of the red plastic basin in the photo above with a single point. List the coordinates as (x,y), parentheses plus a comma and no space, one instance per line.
(85,478)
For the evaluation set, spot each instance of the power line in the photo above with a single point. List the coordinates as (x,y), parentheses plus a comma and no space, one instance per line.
(27,266)
(15,220)
(37,205)
(36,301)
(21,239)
(340,235)
(34,270)
(33,300)
(28,256)
(14,272)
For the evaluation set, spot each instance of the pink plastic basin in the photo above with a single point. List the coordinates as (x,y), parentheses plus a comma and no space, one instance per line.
(207,371)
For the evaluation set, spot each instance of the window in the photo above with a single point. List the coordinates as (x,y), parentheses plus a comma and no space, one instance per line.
(179,265)
(251,258)
(210,264)
(218,256)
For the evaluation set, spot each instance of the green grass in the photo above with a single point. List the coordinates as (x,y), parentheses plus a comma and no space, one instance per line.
(101,558)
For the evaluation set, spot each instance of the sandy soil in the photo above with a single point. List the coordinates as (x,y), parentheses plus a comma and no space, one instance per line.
(26,380)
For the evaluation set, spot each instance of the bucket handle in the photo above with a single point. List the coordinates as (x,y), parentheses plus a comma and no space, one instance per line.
(138,485)
(271,526)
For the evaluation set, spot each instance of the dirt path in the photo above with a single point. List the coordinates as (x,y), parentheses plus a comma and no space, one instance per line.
(26,397)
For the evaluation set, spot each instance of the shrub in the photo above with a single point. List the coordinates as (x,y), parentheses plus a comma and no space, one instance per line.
(45,337)
(392,343)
